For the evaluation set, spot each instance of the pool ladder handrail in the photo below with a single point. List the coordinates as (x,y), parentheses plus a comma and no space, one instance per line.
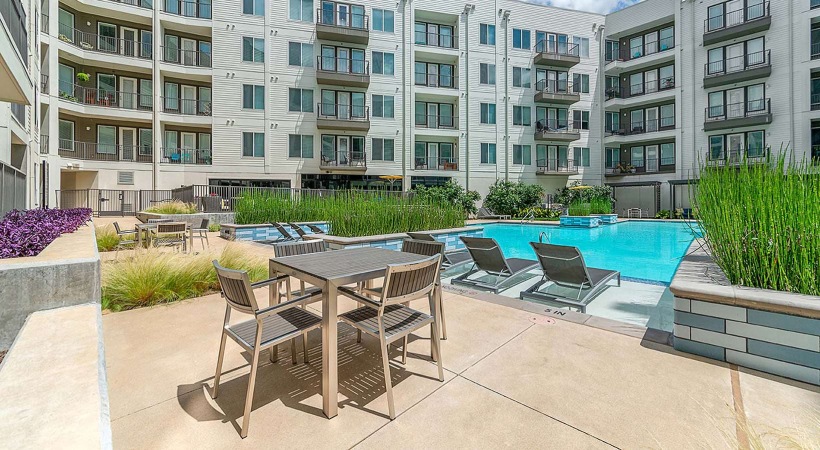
(542,236)
(529,217)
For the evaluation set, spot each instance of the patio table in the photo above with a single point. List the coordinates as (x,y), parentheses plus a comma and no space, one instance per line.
(328,271)
(146,227)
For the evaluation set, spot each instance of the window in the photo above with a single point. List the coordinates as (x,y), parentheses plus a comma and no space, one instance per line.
(521,77)
(613,122)
(668,154)
(383,106)
(301,10)
(253,144)
(383,20)
(521,39)
(107,139)
(435,115)
(253,7)
(146,141)
(488,113)
(580,119)
(486,34)
(715,20)
(637,156)
(486,73)
(667,38)
(613,157)
(383,63)
(522,116)
(300,54)
(754,144)
(715,104)
(612,50)
(580,83)
(382,149)
(300,146)
(432,74)
(300,100)
(636,47)
(253,49)
(253,96)
(667,116)
(522,154)
(715,147)
(146,93)
(755,98)
(636,121)
(66,133)
(581,156)
(487,153)
(582,45)
(434,35)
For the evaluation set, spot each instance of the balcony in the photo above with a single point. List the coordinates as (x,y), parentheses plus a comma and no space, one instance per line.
(15,17)
(643,127)
(352,28)
(555,92)
(189,58)
(186,156)
(735,115)
(737,69)
(147,4)
(737,23)
(437,80)
(188,8)
(105,98)
(737,158)
(448,163)
(437,121)
(555,167)
(815,102)
(646,91)
(44,23)
(815,50)
(44,144)
(556,130)
(103,44)
(44,83)
(342,72)
(815,4)
(331,116)
(186,107)
(641,167)
(556,54)
(92,151)
(343,160)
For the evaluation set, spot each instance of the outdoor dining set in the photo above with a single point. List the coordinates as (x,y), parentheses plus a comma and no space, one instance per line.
(162,233)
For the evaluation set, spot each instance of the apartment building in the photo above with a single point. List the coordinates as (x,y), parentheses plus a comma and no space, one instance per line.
(156,94)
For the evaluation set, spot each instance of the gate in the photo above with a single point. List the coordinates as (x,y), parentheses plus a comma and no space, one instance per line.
(116,202)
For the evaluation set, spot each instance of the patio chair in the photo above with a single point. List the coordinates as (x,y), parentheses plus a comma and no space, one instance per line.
(285,234)
(126,238)
(389,320)
(488,258)
(170,234)
(428,248)
(201,232)
(301,232)
(565,267)
(298,248)
(269,327)
(315,229)
(486,213)
(159,220)
(451,258)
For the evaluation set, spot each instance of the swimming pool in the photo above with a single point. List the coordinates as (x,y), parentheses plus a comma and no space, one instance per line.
(641,250)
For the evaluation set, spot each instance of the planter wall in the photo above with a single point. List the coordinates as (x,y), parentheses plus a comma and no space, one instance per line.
(607,219)
(580,221)
(450,237)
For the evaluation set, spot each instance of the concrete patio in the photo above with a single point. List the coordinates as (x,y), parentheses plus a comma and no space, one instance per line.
(515,377)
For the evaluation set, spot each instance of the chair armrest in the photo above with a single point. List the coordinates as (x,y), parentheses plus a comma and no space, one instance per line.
(270,281)
(351,292)
(298,301)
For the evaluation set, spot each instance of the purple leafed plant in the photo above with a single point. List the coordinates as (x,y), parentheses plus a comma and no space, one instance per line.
(27,233)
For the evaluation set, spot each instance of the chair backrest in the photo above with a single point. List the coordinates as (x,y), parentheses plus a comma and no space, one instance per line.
(298,229)
(159,220)
(485,212)
(282,230)
(299,248)
(315,229)
(562,263)
(171,227)
(203,224)
(117,228)
(422,237)
(236,288)
(405,282)
(486,254)
(425,248)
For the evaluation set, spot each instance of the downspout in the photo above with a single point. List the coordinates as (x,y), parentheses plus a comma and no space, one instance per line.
(694,134)
(156,134)
(468,8)
(602,95)
(404,96)
(506,18)
(791,81)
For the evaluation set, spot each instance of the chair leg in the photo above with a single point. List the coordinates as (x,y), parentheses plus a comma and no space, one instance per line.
(435,343)
(388,382)
(246,417)
(293,351)
(404,351)
(440,298)
(219,365)
(305,346)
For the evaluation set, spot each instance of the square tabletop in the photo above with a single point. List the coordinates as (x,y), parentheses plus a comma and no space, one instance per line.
(345,266)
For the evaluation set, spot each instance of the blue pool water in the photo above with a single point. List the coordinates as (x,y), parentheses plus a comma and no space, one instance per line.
(640,250)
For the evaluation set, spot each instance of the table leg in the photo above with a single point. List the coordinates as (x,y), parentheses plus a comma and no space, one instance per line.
(191,237)
(272,294)
(330,356)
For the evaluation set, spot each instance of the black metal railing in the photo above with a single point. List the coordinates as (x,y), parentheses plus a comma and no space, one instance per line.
(336,111)
(742,110)
(556,165)
(103,44)
(557,48)
(440,40)
(340,158)
(186,156)
(186,107)
(44,83)
(555,126)
(647,87)
(44,144)
(648,48)
(436,80)
(198,9)
(437,121)
(644,126)
(815,50)
(18,111)
(193,58)
(736,158)
(94,151)
(343,65)
(643,165)
(148,4)
(15,17)
(106,98)
(738,63)
(554,87)
(348,20)
(44,22)
(737,17)
(436,163)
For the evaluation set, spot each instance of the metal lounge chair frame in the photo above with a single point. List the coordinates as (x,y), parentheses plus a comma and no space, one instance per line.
(486,213)
(488,257)
(314,228)
(564,265)
(299,230)
(451,258)
(285,234)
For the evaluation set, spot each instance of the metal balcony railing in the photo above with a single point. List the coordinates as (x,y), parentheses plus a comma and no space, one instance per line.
(341,158)
(556,165)
(139,3)
(44,144)
(555,126)
(647,87)
(103,44)
(742,110)
(815,102)
(638,166)
(437,121)
(343,65)
(191,58)
(557,48)
(440,40)
(436,163)
(15,17)
(554,87)
(186,107)
(648,48)
(735,158)
(198,9)
(738,64)
(105,98)
(436,80)
(332,17)
(186,156)
(103,152)
(44,83)
(336,111)
(737,17)
(644,126)
(815,50)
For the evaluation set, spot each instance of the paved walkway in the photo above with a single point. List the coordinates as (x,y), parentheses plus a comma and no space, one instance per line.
(514,378)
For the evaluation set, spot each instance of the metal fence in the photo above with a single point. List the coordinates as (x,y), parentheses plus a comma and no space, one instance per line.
(12,189)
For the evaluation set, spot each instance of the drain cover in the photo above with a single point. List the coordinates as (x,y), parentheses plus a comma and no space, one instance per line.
(541,320)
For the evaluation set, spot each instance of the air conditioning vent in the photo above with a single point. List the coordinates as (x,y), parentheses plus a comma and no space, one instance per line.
(125,178)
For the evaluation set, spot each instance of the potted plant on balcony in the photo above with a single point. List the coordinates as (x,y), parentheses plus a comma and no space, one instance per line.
(83,77)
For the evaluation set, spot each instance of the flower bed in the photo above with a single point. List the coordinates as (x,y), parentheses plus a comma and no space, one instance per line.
(27,233)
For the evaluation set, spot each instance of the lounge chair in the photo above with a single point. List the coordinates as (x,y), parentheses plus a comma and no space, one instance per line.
(286,236)
(486,213)
(315,229)
(451,258)
(564,266)
(488,258)
(299,230)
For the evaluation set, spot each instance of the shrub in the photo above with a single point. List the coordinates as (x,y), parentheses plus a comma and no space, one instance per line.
(107,238)
(214,227)
(450,192)
(507,198)
(600,206)
(763,227)
(173,207)
(568,195)
(27,233)
(153,277)
(538,213)
(663,214)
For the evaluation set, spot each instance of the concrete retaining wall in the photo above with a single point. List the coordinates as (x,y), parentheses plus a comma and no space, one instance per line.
(450,237)
(192,219)
(580,221)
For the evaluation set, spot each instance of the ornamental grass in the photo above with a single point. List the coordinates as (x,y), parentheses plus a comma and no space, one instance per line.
(173,207)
